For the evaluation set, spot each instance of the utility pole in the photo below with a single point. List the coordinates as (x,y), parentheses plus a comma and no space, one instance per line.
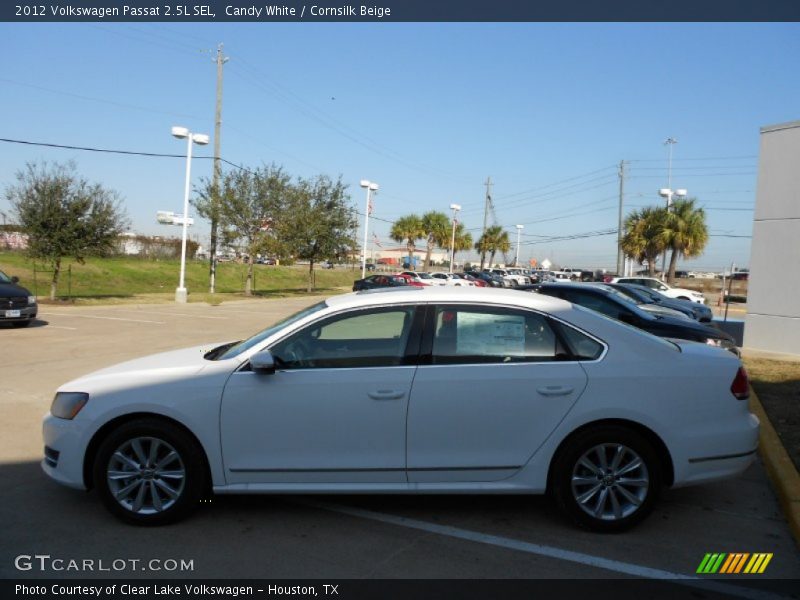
(488,185)
(486,208)
(212,273)
(620,255)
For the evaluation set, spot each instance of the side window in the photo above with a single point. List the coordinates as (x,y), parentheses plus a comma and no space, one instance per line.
(597,303)
(371,338)
(581,346)
(465,335)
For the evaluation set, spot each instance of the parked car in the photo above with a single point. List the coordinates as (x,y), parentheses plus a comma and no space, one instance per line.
(369,392)
(644,300)
(491,279)
(660,286)
(410,280)
(424,278)
(326,264)
(474,279)
(615,305)
(266,261)
(452,279)
(700,312)
(381,281)
(17,305)
(369,266)
(513,279)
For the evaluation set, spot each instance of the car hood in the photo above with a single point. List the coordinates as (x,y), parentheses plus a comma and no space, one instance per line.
(664,311)
(174,364)
(691,325)
(687,291)
(12,290)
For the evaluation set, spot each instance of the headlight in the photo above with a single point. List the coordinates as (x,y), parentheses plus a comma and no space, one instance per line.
(31,299)
(721,343)
(66,405)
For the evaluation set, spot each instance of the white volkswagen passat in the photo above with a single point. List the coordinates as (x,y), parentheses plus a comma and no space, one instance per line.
(426,390)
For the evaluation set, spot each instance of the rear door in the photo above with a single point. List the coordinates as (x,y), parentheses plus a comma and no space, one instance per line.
(493,384)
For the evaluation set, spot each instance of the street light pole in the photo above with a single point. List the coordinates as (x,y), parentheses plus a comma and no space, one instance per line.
(455,208)
(519,233)
(370,187)
(181,295)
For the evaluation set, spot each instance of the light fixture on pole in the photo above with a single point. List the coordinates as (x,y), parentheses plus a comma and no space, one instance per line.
(455,208)
(371,188)
(669,193)
(200,139)
(519,233)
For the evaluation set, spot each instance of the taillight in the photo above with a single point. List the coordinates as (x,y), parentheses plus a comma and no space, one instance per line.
(740,387)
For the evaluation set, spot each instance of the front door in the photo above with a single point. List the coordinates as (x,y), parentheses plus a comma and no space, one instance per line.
(335,409)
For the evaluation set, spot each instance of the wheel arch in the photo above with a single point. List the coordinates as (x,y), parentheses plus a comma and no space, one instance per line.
(107,428)
(664,456)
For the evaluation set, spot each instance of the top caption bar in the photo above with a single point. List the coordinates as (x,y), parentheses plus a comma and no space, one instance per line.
(404,11)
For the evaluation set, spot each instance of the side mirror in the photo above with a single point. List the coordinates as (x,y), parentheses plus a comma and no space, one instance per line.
(14,279)
(263,362)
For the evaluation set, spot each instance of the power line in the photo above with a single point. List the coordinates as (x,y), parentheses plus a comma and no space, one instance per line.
(555,183)
(636,160)
(104,150)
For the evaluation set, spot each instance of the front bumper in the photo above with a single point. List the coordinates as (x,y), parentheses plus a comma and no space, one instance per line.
(65,445)
(27,313)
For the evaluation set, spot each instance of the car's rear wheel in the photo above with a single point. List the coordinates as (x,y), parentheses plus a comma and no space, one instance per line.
(607,479)
(149,472)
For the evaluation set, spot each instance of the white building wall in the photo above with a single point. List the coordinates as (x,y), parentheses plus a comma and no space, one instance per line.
(773,297)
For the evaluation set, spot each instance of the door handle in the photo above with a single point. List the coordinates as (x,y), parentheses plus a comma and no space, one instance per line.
(387,394)
(555,390)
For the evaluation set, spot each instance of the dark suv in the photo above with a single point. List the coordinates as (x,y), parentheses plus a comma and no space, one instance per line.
(616,305)
(17,305)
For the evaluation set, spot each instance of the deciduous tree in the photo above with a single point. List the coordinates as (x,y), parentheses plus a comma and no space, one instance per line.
(65,215)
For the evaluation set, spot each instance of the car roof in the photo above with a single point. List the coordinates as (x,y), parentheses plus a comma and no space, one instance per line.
(449,294)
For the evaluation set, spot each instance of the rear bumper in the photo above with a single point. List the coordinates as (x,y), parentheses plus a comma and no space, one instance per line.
(725,453)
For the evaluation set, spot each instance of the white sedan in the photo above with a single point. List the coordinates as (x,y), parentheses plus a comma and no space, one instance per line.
(452,279)
(660,286)
(426,390)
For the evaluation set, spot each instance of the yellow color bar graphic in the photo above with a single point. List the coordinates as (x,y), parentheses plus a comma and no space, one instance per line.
(758,563)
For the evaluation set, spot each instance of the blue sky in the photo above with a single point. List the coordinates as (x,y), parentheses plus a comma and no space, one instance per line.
(427,110)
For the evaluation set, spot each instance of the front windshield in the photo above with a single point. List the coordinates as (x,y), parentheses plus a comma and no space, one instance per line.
(620,296)
(424,275)
(240,347)
(4,278)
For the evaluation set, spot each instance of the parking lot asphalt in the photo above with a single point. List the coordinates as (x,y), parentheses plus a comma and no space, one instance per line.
(326,536)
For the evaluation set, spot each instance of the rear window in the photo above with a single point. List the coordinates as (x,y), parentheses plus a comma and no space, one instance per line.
(631,328)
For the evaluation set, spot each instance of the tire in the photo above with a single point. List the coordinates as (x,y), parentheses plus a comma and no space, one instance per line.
(606,505)
(19,324)
(169,487)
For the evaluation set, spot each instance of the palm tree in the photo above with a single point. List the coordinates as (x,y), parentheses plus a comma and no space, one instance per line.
(685,232)
(642,239)
(437,233)
(493,240)
(408,229)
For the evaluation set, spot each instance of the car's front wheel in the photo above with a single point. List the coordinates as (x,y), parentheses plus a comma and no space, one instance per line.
(607,479)
(149,472)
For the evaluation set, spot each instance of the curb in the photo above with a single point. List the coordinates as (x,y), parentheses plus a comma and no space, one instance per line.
(780,468)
